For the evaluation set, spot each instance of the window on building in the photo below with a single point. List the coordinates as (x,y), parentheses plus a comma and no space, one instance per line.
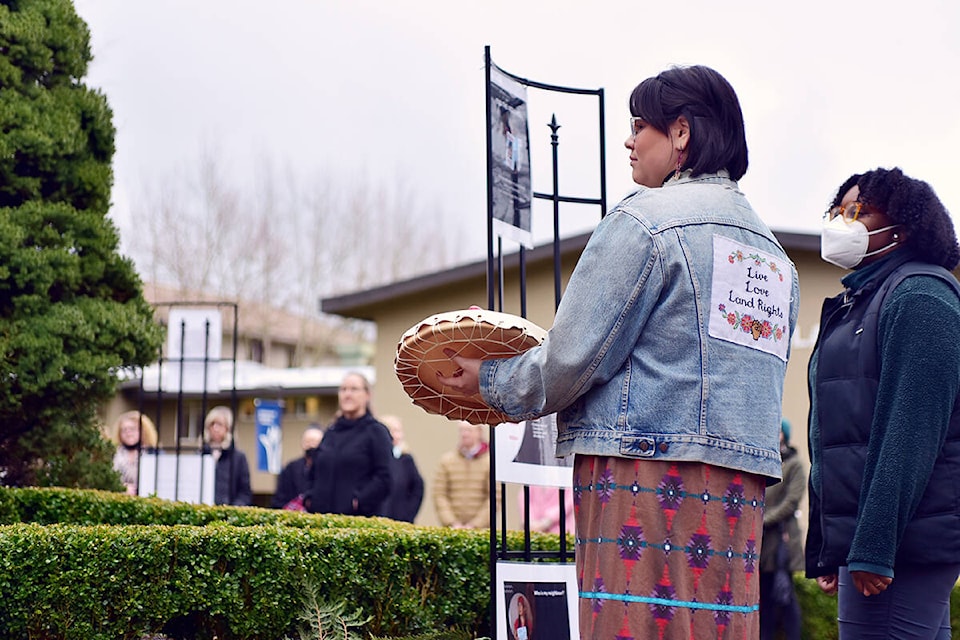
(256,350)
(299,405)
(190,430)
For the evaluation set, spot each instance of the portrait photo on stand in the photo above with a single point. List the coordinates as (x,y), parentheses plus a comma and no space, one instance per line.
(536,601)
(510,149)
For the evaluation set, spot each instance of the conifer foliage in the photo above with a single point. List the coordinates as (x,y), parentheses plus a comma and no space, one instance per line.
(72,311)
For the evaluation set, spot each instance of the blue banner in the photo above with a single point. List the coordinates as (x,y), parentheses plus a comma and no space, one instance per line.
(269,417)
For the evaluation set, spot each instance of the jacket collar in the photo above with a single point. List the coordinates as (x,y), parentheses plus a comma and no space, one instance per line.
(866,279)
(687,177)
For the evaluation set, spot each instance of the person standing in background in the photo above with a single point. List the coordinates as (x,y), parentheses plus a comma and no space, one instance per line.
(461,486)
(294,479)
(781,554)
(232,474)
(133,433)
(406,495)
(545,509)
(350,473)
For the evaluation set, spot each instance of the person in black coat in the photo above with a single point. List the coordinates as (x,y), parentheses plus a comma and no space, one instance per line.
(294,479)
(232,472)
(406,494)
(779,607)
(351,468)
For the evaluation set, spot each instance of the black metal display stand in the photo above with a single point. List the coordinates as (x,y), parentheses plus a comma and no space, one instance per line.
(499,549)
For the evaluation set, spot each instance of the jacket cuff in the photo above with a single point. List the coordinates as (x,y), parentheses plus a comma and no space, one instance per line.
(880,570)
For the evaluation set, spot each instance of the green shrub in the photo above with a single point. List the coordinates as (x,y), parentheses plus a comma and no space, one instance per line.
(320,620)
(95,564)
(92,582)
(818,610)
(91,507)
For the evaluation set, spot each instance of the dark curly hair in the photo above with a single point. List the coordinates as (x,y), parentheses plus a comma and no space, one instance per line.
(913,204)
(710,105)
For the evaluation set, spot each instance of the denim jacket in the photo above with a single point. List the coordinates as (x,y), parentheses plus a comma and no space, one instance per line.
(672,338)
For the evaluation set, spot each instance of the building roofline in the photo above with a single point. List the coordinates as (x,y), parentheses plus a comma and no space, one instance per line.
(250,379)
(799,240)
(348,304)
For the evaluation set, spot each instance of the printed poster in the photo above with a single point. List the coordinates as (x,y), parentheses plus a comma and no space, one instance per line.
(268,415)
(526,453)
(188,477)
(537,601)
(510,158)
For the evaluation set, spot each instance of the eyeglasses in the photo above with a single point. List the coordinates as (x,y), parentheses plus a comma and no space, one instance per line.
(850,211)
(636,124)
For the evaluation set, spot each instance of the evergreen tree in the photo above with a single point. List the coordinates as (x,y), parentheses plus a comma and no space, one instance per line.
(72,311)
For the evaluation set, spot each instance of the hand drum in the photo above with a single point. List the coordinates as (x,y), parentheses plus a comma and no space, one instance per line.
(472,333)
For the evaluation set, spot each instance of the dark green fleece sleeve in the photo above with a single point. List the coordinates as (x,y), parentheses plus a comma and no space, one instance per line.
(919,333)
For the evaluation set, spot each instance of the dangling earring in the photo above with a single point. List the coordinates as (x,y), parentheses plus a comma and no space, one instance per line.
(676,174)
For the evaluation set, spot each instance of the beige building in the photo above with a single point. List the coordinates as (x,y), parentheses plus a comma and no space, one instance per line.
(397,307)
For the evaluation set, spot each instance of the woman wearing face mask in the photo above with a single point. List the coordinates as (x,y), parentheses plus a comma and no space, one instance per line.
(884,421)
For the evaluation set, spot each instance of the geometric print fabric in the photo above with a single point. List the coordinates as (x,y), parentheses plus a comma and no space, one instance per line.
(666,550)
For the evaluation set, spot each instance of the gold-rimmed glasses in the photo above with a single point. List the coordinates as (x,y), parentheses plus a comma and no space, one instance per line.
(849,211)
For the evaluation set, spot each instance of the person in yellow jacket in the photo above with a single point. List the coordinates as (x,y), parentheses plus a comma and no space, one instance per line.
(461,486)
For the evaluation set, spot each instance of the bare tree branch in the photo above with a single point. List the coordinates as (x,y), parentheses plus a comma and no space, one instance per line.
(281,240)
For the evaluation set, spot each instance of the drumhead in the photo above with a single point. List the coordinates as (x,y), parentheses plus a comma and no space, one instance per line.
(472,333)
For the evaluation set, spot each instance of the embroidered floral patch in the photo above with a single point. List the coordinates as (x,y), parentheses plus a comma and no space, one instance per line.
(758,260)
(748,324)
(751,295)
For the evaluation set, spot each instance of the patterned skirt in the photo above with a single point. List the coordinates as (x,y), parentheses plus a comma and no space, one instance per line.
(667,550)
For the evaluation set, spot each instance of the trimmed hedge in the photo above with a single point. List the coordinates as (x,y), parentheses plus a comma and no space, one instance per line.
(96,565)
(92,507)
(70,581)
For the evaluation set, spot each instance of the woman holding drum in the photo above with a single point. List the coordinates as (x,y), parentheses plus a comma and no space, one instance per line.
(665,365)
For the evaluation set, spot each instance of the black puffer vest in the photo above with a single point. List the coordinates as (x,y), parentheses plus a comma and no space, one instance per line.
(847,377)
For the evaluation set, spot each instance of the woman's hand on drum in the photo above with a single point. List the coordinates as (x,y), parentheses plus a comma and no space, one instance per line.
(466,377)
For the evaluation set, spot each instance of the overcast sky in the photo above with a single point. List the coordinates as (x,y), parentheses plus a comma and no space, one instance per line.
(366,90)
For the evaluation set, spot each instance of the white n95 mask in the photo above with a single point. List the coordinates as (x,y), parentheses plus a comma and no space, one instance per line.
(845,243)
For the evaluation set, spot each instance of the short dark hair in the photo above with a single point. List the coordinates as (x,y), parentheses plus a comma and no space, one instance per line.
(710,105)
(913,204)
